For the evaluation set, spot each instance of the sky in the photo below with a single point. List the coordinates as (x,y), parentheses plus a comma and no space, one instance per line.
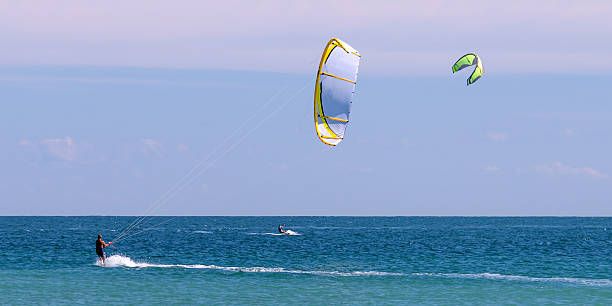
(108,107)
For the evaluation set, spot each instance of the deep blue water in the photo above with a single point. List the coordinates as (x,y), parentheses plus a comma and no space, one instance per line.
(334,260)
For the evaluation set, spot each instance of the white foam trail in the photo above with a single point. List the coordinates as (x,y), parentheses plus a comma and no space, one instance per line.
(122,261)
(202,232)
(581,281)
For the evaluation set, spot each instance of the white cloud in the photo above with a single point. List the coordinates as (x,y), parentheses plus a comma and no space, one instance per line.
(365,170)
(569,132)
(62,148)
(182,148)
(557,168)
(24,142)
(151,147)
(497,136)
(57,149)
(492,169)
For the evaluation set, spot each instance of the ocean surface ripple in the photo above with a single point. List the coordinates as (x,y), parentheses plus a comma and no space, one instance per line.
(328,260)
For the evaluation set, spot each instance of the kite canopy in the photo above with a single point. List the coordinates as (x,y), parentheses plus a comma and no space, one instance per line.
(334,90)
(469,60)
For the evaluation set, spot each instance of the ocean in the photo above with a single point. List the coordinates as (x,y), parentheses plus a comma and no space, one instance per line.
(330,260)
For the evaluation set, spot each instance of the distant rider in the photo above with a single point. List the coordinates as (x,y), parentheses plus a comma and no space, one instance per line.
(281,229)
(100,245)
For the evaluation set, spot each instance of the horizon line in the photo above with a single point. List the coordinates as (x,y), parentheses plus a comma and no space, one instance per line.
(352,216)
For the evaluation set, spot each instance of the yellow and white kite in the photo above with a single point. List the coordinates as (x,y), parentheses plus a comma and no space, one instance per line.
(334,90)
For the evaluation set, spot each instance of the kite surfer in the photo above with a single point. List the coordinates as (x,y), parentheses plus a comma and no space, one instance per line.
(100,245)
(281,229)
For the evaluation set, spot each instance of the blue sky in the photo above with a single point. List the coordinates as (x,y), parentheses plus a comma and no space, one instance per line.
(103,111)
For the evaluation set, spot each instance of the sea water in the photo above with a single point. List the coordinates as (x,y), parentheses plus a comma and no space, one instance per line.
(330,260)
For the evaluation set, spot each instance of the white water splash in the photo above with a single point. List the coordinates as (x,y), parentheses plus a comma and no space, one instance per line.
(495,276)
(286,233)
(122,261)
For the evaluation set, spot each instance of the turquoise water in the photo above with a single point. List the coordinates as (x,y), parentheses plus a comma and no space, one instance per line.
(333,260)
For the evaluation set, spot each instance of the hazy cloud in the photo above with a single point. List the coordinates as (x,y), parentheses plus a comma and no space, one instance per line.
(492,169)
(557,168)
(151,147)
(61,148)
(497,136)
(569,132)
(365,170)
(147,33)
(56,149)
(182,148)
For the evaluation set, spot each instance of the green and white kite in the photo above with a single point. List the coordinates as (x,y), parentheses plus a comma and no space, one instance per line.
(469,60)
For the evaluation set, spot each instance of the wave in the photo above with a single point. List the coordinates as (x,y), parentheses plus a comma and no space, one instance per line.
(495,276)
(202,232)
(123,261)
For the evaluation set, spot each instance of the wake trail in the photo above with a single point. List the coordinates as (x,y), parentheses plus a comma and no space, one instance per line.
(496,276)
(126,262)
